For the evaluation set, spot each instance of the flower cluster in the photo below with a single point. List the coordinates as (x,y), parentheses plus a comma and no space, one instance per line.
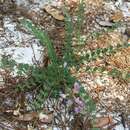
(76,88)
(78,102)
(73,100)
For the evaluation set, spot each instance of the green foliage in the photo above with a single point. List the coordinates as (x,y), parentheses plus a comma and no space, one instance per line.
(90,105)
(80,20)
(7,63)
(101,53)
(68,52)
(10,64)
(69,55)
(54,78)
(44,39)
(114,72)
(24,69)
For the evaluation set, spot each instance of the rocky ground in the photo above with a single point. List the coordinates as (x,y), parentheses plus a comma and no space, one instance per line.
(112,96)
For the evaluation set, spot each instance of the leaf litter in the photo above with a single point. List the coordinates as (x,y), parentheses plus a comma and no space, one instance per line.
(111,95)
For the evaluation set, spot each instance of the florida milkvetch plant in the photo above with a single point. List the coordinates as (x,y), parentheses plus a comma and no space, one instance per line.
(56,77)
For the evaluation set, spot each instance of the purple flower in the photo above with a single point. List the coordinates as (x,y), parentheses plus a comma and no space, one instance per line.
(79,105)
(77,109)
(79,102)
(76,88)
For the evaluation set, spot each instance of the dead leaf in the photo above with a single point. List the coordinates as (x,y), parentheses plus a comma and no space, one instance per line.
(55,13)
(120,59)
(107,39)
(17,112)
(72,3)
(96,3)
(98,89)
(28,116)
(45,118)
(30,128)
(96,99)
(103,121)
(117,16)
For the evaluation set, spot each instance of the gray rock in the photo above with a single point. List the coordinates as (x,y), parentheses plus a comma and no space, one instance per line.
(104,23)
